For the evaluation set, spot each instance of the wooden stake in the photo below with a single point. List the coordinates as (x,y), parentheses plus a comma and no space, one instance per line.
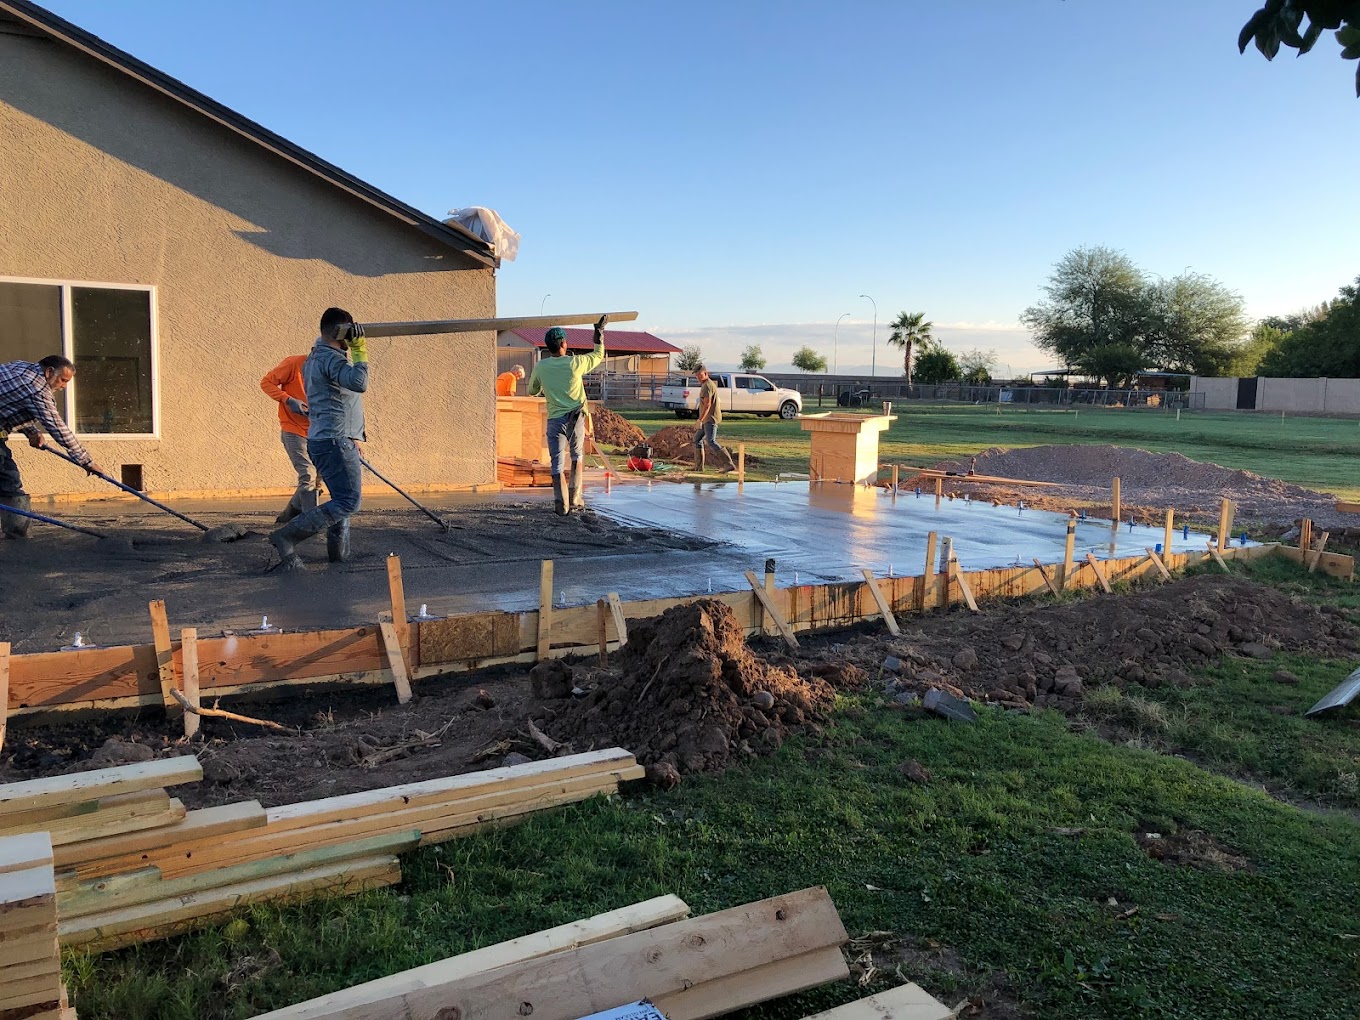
(620,621)
(545,607)
(165,654)
(1305,535)
(741,463)
(1116,504)
(768,604)
(401,680)
(895,470)
(4,690)
(1069,551)
(602,621)
(769,590)
(1225,523)
(1213,551)
(1100,574)
(963,585)
(939,490)
(1317,556)
(1169,532)
(398,593)
(882,603)
(947,556)
(928,577)
(1048,581)
(1157,561)
(188,650)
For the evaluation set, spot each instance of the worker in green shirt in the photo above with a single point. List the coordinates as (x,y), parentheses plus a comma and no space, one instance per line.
(558,377)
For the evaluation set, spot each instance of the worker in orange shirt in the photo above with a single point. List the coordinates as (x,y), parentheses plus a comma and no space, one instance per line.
(507,382)
(284,384)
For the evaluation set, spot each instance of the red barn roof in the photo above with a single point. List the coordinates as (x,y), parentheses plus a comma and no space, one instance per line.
(616,341)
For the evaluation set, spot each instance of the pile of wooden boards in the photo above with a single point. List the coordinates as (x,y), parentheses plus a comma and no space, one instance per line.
(519,473)
(120,880)
(30,959)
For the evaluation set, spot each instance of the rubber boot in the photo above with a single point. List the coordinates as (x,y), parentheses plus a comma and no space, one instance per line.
(559,497)
(289,512)
(576,498)
(12,525)
(703,460)
(337,542)
(285,541)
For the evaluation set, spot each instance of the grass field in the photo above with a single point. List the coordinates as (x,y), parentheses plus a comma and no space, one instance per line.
(1320,453)
(998,875)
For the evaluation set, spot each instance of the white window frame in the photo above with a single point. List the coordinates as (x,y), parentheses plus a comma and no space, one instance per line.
(67,346)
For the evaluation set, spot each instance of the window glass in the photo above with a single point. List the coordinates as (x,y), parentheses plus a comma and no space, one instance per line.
(743,384)
(763,385)
(30,321)
(111,346)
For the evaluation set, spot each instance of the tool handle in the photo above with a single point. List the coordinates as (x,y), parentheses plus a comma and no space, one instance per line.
(397,489)
(48,520)
(126,488)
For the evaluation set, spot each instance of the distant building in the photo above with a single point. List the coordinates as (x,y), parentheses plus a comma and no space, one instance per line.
(627,352)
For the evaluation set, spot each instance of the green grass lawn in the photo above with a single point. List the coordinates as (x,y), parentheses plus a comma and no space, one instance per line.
(1321,453)
(1006,860)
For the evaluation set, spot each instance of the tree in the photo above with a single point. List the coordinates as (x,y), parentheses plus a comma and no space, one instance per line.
(1105,317)
(752,359)
(975,366)
(936,365)
(1264,339)
(910,330)
(1280,21)
(1327,346)
(691,359)
(805,359)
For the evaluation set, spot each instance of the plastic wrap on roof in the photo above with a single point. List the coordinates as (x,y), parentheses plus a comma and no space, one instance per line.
(488,225)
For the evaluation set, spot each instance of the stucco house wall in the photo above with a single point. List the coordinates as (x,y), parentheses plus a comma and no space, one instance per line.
(103,179)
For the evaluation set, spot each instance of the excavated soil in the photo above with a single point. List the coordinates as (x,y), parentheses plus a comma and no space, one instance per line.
(1048,655)
(686,696)
(676,443)
(612,429)
(1149,484)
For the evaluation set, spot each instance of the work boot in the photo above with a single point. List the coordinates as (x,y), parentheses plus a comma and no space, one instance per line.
(559,497)
(289,512)
(731,464)
(337,542)
(702,462)
(12,525)
(576,501)
(285,541)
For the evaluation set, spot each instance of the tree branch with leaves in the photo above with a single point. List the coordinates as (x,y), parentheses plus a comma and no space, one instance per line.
(1280,22)
(911,332)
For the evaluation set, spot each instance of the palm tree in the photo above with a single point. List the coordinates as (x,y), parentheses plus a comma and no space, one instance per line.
(909,330)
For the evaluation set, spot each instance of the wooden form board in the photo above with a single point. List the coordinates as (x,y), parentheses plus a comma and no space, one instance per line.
(165,655)
(612,924)
(1332,564)
(126,676)
(435,326)
(906,1002)
(55,791)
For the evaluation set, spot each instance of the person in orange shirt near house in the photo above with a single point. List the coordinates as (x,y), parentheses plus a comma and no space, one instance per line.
(284,385)
(507,382)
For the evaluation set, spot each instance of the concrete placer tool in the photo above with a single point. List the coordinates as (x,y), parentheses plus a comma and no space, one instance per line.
(443,524)
(122,544)
(221,533)
(390,329)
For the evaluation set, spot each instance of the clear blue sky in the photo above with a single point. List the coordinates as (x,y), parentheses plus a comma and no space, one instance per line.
(741,172)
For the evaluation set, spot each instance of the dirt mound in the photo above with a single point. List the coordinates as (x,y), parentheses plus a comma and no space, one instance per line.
(676,443)
(1151,480)
(687,693)
(1049,655)
(613,429)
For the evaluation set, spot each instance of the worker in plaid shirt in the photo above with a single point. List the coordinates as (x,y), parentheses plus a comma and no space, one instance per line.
(26,402)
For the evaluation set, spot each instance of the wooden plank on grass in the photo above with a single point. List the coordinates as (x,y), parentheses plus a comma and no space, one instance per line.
(132,822)
(188,655)
(768,605)
(620,621)
(1100,574)
(905,1002)
(612,924)
(96,857)
(53,791)
(655,963)
(1157,562)
(109,814)
(19,853)
(396,662)
(1316,556)
(760,984)
(881,602)
(165,655)
(1048,581)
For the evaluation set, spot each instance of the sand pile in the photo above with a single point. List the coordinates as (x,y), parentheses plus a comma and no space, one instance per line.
(685,694)
(1048,655)
(613,429)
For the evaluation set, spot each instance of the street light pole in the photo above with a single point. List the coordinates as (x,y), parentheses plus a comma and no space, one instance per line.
(542,303)
(873,362)
(835,342)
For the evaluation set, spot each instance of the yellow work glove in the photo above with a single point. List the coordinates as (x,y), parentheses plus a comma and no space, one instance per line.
(358,346)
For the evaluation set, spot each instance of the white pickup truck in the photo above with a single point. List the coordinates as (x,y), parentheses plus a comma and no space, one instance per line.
(738,393)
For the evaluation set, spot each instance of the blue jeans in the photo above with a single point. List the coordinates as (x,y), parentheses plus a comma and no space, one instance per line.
(569,431)
(707,433)
(337,461)
(10,482)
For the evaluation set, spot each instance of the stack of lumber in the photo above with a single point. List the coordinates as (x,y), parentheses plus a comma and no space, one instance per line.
(690,968)
(119,883)
(30,959)
(520,473)
(907,1002)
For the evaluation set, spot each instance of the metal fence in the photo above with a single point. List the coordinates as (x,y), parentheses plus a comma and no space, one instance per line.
(854,392)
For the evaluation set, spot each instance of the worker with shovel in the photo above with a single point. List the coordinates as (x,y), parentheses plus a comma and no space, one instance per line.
(334,386)
(27,401)
(284,385)
(558,376)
